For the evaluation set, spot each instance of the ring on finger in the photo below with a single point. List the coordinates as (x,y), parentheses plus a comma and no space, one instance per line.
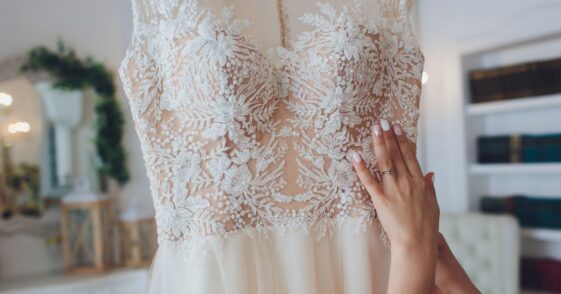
(387,171)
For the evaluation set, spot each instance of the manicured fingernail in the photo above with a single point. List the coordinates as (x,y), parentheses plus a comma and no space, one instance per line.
(356,156)
(397,130)
(385,125)
(377,130)
(432,177)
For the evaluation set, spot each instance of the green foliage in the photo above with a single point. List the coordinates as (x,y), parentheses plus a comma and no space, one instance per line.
(72,73)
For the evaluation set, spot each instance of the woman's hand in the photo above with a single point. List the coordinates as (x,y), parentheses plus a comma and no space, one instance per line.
(405,201)
(450,276)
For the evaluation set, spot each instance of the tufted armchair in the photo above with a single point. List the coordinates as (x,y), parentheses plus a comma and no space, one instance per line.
(488,247)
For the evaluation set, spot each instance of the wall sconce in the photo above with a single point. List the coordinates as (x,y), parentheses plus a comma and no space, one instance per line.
(19,127)
(6,101)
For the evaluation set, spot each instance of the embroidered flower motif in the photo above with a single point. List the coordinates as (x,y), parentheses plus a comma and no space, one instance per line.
(178,218)
(217,43)
(204,100)
(163,45)
(226,112)
(342,174)
(218,38)
(236,180)
(339,105)
(186,168)
(347,40)
(342,31)
(217,166)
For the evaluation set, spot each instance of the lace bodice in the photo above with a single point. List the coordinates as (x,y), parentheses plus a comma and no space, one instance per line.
(238,139)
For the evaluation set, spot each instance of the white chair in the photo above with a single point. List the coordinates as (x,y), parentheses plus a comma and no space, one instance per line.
(488,247)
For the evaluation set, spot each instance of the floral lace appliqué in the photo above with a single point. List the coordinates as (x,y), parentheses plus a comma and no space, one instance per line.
(233,142)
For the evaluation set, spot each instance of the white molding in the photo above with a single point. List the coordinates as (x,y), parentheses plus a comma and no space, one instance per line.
(543,18)
(547,235)
(515,169)
(514,105)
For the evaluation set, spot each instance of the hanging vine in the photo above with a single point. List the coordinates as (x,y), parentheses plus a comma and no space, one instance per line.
(69,72)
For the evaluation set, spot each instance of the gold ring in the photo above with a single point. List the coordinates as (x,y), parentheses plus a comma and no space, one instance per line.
(388,171)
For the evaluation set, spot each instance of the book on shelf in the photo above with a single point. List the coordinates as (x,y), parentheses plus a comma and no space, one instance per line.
(541,274)
(519,148)
(547,77)
(486,85)
(531,212)
(516,81)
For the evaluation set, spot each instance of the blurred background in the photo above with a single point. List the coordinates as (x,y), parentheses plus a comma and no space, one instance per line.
(77,213)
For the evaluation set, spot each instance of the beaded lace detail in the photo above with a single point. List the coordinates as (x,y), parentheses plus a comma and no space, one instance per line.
(235,142)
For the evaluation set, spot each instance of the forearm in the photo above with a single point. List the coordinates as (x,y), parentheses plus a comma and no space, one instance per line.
(451,278)
(412,269)
(455,280)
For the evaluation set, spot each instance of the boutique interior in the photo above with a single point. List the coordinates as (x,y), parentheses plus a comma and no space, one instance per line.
(77,214)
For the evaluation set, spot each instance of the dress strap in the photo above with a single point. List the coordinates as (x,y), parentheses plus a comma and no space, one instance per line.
(283,22)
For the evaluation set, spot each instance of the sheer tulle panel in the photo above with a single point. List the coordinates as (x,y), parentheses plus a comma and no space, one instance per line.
(347,263)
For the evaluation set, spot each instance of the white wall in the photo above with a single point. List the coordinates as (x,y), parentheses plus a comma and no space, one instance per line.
(448,28)
(100,28)
(26,146)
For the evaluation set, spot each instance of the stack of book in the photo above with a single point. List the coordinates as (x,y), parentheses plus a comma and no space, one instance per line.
(516,81)
(531,212)
(524,148)
(541,274)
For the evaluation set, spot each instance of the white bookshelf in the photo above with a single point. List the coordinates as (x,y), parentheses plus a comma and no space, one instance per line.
(529,115)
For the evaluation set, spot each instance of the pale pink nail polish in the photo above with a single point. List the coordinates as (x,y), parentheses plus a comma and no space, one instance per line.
(397,130)
(377,130)
(356,156)
(385,125)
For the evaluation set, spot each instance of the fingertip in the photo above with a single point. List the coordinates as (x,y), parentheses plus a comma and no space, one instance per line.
(385,125)
(356,158)
(397,130)
(377,131)
(430,177)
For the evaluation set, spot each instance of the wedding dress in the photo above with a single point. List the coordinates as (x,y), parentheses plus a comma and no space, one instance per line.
(247,148)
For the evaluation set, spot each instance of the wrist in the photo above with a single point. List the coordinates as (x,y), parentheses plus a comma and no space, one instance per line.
(420,255)
(407,246)
(412,264)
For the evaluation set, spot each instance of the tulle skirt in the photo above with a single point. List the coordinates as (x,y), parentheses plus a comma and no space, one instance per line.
(291,262)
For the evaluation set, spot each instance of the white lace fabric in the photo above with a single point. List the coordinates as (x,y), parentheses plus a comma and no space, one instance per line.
(236,142)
